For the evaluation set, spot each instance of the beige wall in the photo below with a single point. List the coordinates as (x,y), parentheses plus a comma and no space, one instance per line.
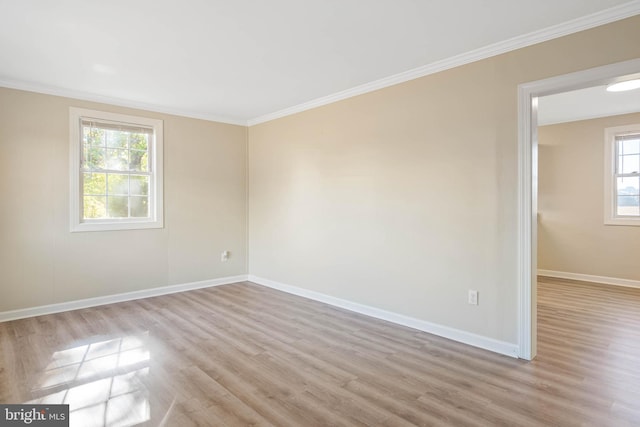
(572,236)
(41,262)
(402,199)
(405,198)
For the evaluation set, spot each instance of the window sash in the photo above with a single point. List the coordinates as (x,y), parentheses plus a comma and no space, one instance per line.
(123,127)
(113,125)
(619,156)
(622,176)
(128,190)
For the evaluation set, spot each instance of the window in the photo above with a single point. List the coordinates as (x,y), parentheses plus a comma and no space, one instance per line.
(622,175)
(116,171)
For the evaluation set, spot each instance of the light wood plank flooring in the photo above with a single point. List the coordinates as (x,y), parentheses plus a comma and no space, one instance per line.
(243,355)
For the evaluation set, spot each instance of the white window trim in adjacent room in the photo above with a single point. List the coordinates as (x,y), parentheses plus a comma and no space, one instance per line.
(155,163)
(610,174)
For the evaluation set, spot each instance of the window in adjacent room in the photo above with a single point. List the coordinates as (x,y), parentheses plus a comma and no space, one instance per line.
(116,171)
(622,175)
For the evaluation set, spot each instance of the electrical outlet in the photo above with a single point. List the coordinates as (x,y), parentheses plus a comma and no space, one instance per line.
(473,297)
(224,256)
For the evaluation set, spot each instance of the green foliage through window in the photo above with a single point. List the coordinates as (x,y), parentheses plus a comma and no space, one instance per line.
(116,175)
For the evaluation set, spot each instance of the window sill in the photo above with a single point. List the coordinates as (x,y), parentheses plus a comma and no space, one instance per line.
(623,221)
(116,226)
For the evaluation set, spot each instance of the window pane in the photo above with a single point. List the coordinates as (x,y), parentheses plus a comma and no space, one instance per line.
(629,163)
(94,158)
(94,183)
(117,159)
(93,136)
(139,185)
(628,205)
(118,184)
(628,191)
(118,207)
(628,186)
(139,141)
(117,139)
(631,146)
(139,206)
(94,207)
(139,161)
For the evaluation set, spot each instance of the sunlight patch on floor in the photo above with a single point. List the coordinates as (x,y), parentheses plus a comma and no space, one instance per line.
(102,382)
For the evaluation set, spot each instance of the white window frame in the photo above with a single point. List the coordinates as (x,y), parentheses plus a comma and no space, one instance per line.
(610,159)
(156,217)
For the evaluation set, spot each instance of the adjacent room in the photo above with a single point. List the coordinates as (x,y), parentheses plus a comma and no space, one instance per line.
(319,213)
(588,284)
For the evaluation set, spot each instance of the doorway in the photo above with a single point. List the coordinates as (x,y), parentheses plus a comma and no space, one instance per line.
(528,94)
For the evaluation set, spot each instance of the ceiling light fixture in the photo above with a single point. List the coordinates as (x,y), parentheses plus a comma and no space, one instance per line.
(624,86)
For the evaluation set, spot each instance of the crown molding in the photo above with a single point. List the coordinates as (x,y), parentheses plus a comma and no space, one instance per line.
(607,16)
(86,96)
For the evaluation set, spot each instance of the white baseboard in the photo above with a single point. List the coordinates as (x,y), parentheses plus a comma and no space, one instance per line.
(589,278)
(469,338)
(110,299)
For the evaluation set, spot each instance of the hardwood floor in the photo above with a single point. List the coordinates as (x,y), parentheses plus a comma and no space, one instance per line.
(243,355)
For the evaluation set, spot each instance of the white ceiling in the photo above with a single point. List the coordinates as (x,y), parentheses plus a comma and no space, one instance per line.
(241,61)
(586,104)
